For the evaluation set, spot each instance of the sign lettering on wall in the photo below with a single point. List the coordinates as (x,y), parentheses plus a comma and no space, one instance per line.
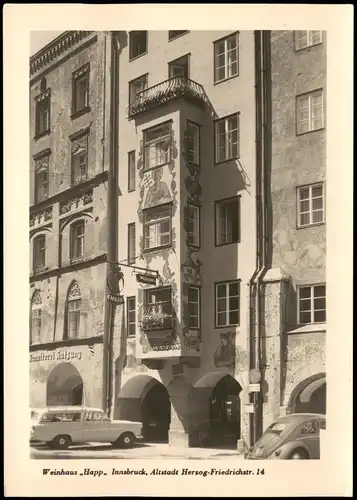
(55,356)
(146,278)
(116,299)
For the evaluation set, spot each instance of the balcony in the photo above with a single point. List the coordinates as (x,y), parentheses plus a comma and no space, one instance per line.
(164,92)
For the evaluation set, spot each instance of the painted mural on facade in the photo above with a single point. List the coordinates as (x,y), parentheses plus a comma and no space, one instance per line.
(229,355)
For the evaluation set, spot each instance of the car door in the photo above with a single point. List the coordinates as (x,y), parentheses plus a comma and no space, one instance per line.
(95,427)
(309,434)
(72,425)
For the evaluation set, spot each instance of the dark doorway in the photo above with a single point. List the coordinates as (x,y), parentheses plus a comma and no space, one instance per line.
(156,414)
(77,395)
(312,399)
(64,386)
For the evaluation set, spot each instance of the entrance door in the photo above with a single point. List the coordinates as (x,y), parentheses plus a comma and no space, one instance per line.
(156,414)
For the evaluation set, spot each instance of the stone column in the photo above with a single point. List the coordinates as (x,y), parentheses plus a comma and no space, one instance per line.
(179,390)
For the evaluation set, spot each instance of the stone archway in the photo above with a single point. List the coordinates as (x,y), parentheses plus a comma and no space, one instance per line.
(64,386)
(309,396)
(215,411)
(145,399)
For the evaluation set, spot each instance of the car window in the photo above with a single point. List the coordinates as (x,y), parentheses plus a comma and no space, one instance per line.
(322,424)
(76,417)
(94,416)
(309,428)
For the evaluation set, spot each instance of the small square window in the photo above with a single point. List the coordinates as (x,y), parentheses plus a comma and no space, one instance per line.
(310,201)
(157,227)
(310,112)
(180,67)
(227,303)
(226,58)
(137,44)
(227,138)
(157,146)
(227,221)
(312,304)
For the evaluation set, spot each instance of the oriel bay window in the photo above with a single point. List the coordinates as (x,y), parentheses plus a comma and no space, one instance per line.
(194,320)
(157,226)
(227,303)
(157,146)
(226,138)
(158,311)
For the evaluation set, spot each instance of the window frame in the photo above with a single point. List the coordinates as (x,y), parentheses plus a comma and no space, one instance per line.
(146,143)
(297,111)
(215,124)
(298,200)
(227,297)
(226,201)
(312,307)
(198,289)
(309,44)
(43,98)
(175,62)
(38,318)
(197,126)
(145,78)
(145,301)
(131,178)
(220,40)
(182,33)
(128,323)
(131,259)
(77,312)
(36,265)
(74,238)
(145,224)
(198,235)
(38,174)
(80,74)
(75,181)
(131,33)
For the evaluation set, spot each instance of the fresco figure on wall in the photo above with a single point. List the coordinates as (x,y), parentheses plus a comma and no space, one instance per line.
(158,192)
(224,356)
(192,270)
(131,362)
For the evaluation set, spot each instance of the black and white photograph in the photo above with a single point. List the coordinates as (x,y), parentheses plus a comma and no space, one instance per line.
(177,237)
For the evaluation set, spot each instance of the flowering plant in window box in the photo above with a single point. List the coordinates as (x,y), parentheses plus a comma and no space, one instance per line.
(154,319)
(80,178)
(41,268)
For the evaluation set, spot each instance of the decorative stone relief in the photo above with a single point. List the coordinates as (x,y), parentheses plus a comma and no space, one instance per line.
(192,269)
(74,291)
(36,298)
(41,217)
(82,200)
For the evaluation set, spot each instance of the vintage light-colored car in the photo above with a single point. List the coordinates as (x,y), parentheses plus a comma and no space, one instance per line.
(62,426)
(295,436)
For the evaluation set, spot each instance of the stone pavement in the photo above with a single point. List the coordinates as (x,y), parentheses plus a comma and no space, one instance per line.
(147,451)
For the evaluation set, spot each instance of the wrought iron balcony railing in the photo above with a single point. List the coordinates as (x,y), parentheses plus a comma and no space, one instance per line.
(169,90)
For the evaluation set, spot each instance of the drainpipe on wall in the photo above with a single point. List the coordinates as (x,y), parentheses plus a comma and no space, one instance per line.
(111,232)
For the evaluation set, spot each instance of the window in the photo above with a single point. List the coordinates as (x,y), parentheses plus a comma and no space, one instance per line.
(305,39)
(158,309)
(310,112)
(227,303)
(179,67)
(79,166)
(308,428)
(157,146)
(193,225)
(39,253)
(43,113)
(36,318)
(193,143)
(226,138)
(194,320)
(312,304)
(74,304)
(131,171)
(131,316)
(137,44)
(80,96)
(131,243)
(136,86)
(77,240)
(157,227)
(310,205)
(227,221)
(226,58)
(41,185)
(175,34)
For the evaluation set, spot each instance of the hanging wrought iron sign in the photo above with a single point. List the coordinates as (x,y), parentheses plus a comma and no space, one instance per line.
(115,285)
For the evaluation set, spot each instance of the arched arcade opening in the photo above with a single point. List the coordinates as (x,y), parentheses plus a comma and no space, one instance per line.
(215,411)
(309,396)
(145,399)
(64,386)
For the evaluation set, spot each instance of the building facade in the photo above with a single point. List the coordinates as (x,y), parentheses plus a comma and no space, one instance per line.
(205,232)
(69,170)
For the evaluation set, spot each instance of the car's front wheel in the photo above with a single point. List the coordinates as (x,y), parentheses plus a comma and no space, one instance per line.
(299,455)
(125,440)
(61,442)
